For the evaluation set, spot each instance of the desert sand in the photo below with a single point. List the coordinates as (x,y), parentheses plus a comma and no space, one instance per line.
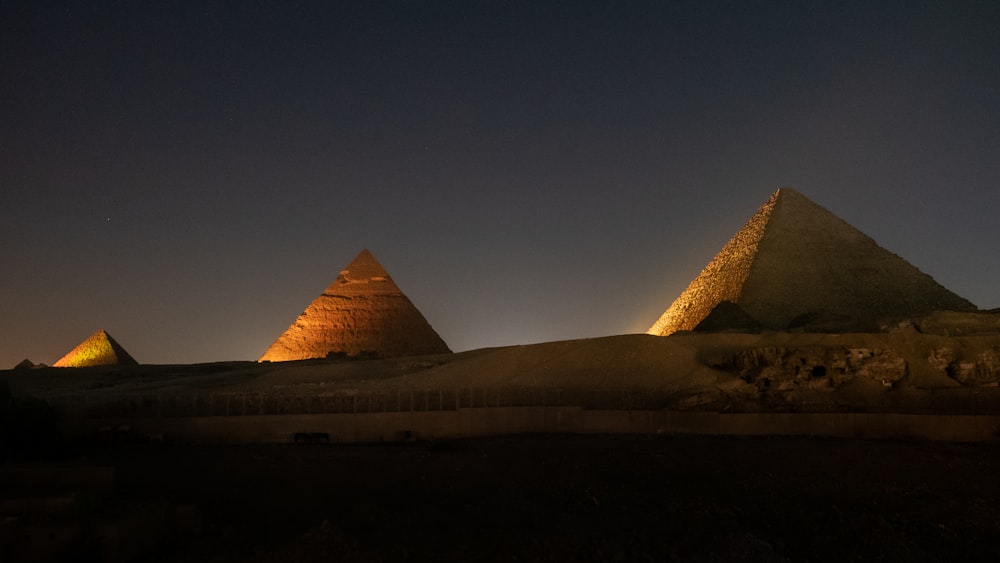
(565,498)
(944,355)
(546,497)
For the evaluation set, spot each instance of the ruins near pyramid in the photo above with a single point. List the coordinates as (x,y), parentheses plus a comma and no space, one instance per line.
(795,264)
(363,313)
(99,349)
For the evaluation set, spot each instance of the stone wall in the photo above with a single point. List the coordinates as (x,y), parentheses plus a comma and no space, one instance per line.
(397,427)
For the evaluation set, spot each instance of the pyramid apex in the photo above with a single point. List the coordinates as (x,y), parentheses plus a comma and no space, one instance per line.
(364,267)
(101,334)
(787,191)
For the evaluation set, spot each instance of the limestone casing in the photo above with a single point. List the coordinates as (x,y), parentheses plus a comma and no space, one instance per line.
(362,313)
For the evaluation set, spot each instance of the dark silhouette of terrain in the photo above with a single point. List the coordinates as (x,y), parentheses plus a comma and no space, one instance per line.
(581,498)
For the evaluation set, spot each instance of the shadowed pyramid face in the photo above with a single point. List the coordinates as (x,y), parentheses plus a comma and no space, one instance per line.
(362,313)
(794,259)
(99,349)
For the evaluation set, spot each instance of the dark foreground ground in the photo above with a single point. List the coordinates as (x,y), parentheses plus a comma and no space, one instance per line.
(582,498)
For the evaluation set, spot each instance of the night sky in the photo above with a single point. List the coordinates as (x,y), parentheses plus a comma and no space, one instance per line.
(189,176)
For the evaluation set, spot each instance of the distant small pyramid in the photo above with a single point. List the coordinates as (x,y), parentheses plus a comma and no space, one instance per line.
(99,349)
(728,317)
(25,364)
(362,314)
(795,260)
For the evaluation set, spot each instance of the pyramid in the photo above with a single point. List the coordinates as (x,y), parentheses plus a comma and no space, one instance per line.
(25,364)
(362,314)
(99,349)
(795,260)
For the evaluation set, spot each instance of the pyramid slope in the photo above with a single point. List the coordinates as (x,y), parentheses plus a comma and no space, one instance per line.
(99,349)
(363,312)
(795,258)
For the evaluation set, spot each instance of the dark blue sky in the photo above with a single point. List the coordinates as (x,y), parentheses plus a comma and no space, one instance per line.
(189,176)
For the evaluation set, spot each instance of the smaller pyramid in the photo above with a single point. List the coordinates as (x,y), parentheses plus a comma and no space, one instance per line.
(363,314)
(728,317)
(25,364)
(99,349)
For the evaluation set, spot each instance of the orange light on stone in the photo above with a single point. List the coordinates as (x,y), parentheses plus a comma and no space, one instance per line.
(721,280)
(97,350)
(363,313)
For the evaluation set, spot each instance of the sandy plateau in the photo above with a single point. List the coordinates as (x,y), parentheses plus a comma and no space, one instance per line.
(936,363)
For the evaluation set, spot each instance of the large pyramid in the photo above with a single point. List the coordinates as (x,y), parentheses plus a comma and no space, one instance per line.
(99,349)
(363,313)
(795,263)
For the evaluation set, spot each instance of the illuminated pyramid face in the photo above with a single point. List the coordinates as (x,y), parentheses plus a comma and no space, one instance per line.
(362,313)
(97,350)
(795,260)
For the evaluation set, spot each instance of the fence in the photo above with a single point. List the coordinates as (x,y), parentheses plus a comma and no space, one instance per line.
(361,401)
(345,402)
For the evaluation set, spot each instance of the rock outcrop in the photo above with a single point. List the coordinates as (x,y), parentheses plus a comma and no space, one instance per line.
(978,369)
(949,323)
(363,314)
(795,263)
(99,349)
(816,367)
